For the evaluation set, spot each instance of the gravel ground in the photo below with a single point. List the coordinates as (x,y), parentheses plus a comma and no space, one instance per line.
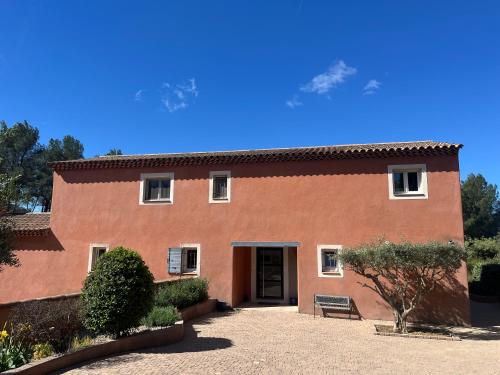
(274,341)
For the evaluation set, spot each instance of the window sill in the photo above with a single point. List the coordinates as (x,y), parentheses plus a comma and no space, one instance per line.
(409,196)
(219,201)
(331,273)
(337,274)
(165,201)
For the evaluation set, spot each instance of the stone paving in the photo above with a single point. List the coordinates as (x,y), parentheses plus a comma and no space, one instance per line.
(252,341)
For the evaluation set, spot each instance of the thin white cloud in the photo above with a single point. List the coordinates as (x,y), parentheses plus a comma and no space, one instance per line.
(333,77)
(178,96)
(294,102)
(138,95)
(174,106)
(371,87)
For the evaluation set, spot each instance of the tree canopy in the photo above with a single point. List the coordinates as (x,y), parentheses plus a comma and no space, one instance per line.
(24,158)
(403,273)
(481,207)
(8,190)
(114,151)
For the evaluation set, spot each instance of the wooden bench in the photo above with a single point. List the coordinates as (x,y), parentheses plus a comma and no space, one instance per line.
(342,303)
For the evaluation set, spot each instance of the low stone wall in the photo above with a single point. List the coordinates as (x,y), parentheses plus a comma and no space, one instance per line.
(142,340)
(198,310)
(6,308)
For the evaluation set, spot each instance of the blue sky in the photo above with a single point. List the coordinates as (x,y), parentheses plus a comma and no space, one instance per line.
(158,76)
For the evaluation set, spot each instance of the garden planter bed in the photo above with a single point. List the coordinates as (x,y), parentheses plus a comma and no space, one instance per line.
(141,340)
(417,332)
(104,347)
(195,311)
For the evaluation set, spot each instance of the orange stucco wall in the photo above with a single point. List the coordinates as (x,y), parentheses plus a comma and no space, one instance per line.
(313,202)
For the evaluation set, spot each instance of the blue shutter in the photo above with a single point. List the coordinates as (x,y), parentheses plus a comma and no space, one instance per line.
(175,260)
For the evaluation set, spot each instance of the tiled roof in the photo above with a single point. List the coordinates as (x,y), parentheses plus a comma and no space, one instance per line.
(32,224)
(373,150)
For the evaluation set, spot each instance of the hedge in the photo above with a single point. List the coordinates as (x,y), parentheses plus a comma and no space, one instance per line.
(182,294)
(485,279)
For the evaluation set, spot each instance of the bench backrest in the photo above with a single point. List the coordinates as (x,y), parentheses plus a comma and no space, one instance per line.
(332,300)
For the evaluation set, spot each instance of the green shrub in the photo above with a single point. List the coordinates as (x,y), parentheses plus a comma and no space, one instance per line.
(117,293)
(183,293)
(47,321)
(81,342)
(161,317)
(475,268)
(486,279)
(42,350)
(483,248)
(13,352)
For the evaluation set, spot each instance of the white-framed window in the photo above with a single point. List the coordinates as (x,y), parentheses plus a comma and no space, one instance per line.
(329,264)
(219,190)
(95,251)
(191,258)
(156,188)
(185,259)
(407,181)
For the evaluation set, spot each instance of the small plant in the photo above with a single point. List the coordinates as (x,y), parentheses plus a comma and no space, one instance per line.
(13,353)
(81,342)
(161,317)
(182,294)
(117,293)
(42,350)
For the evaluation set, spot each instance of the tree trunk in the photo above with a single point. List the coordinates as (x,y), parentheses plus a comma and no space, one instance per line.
(400,325)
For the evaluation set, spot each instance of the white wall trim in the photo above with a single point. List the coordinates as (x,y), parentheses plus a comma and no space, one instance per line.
(211,186)
(145,176)
(319,259)
(422,194)
(197,246)
(92,246)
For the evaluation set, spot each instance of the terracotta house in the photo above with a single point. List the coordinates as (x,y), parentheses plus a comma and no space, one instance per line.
(260,225)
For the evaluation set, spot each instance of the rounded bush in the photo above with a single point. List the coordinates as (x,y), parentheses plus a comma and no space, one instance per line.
(117,293)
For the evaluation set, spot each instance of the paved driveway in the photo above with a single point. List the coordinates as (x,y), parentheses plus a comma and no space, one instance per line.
(273,342)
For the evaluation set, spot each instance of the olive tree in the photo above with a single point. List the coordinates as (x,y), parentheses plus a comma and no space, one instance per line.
(403,273)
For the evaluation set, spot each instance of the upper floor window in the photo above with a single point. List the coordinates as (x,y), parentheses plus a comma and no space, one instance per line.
(157,188)
(95,252)
(220,187)
(407,181)
(329,264)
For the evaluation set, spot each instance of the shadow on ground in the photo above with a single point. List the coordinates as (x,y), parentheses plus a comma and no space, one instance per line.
(485,319)
(191,343)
